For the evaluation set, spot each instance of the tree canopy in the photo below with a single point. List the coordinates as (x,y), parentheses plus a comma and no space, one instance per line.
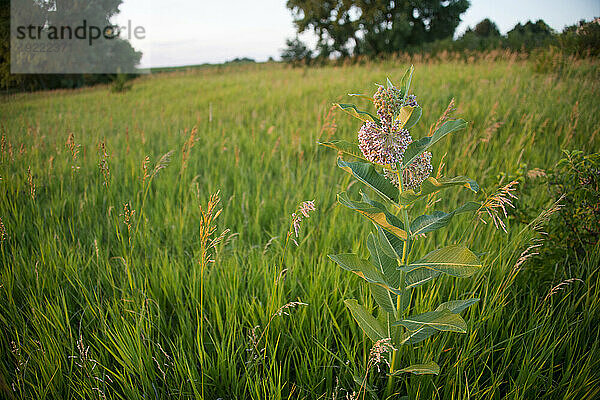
(372,27)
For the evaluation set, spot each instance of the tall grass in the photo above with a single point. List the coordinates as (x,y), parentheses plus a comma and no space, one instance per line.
(98,300)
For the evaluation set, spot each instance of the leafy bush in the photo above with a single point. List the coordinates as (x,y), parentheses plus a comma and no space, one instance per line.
(582,39)
(575,229)
(120,83)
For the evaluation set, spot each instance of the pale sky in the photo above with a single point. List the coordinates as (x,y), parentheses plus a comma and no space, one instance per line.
(187,32)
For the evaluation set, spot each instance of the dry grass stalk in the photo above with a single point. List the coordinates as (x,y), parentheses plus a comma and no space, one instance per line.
(376,358)
(3,146)
(103,164)
(561,286)
(494,205)
(303,211)
(536,173)
(208,245)
(187,148)
(282,310)
(542,219)
(127,215)
(90,368)
(443,118)
(329,126)
(162,163)
(31,183)
(2,231)
(145,170)
(208,216)
(73,148)
(573,124)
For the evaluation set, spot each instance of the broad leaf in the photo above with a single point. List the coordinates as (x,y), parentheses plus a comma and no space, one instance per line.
(363,268)
(386,265)
(395,243)
(404,115)
(367,174)
(405,83)
(419,277)
(389,83)
(455,260)
(376,213)
(370,326)
(417,147)
(424,332)
(432,185)
(440,320)
(344,147)
(364,116)
(422,369)
(413,118)
(362,96)
(384,298)
(439,219)
(457,306)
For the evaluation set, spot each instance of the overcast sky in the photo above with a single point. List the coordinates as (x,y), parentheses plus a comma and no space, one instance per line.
(186,32)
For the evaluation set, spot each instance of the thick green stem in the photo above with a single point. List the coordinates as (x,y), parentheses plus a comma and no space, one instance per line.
(403,261)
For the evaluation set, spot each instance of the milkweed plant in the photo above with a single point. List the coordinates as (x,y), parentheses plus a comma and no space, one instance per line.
(397,168)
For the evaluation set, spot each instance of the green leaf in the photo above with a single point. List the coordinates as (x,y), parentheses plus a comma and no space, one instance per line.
(419,277)
(362,96)
(439,219)
(440,320)
(394,242)
(457,306)
(432,185)
(376,213)
(405,82)
(363,268)
(430,368)
(364,116)
(417,147)
(384,298)
(370,326)
(367,174)
(386,265)
(455,260)
(413,118)
(344,147)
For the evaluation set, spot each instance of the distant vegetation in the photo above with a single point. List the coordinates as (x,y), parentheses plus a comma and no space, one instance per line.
(580,40)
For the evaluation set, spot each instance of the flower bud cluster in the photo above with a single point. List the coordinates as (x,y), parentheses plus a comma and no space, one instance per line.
(385,144)
(414,174)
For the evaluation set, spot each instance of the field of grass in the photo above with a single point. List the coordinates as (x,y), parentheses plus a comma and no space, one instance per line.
(91,307)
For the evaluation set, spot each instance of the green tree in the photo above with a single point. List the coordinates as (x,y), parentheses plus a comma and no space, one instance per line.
(530,35)
(486,28)
(373,27)
(296,52)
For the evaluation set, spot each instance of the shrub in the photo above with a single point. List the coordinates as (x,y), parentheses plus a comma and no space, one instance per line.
(575,229)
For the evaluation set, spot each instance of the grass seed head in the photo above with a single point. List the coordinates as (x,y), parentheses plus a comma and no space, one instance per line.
(494,206)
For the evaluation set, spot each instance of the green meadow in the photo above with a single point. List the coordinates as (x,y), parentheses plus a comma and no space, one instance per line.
(108,288)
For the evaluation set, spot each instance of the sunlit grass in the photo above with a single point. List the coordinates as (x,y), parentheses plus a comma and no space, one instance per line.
(90,306)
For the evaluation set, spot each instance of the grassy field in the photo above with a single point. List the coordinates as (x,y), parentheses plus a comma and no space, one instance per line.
(94,306)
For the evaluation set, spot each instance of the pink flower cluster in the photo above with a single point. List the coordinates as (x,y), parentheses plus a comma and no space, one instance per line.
(385,144)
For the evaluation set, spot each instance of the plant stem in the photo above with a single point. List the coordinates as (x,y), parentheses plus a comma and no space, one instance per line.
(403,261)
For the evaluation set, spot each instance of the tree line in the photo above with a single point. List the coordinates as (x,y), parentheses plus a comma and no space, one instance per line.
(346,28)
